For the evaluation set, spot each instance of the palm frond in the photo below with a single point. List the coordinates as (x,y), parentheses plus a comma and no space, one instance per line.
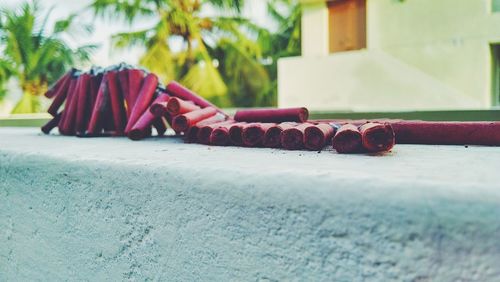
(232,28)
(247,78)
(159,59)
(84,52)
(7,70)
(42,29)
(234,5)
(28,104)
(35,54)
(124,10)
(274,13)
(72,25)
(19,27)
(204,79)
(130,39)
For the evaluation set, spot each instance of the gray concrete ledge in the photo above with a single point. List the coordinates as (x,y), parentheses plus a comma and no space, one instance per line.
(113,209)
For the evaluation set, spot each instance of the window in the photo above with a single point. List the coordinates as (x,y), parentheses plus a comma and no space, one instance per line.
(495,6)
(495,55)
(347,25)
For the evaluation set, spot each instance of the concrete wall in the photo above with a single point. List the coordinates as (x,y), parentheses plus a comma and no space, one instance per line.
(446,41)
(108,209)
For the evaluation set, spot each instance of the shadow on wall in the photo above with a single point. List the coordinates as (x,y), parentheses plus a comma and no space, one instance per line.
(365,80)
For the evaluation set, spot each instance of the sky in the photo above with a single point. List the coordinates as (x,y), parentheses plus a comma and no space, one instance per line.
(104,28)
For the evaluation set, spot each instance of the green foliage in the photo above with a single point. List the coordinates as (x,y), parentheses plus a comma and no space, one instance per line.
(254,82)
(246,77)
(227,70)
(226,58)
(6,71)
(285,42)
(33,55)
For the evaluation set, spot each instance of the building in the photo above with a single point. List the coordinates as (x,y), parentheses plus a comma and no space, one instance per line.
(392,55)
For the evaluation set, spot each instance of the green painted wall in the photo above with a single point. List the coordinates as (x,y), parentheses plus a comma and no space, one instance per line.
(447,39)
(421,55)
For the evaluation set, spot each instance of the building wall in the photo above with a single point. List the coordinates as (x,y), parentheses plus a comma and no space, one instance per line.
(315,20)
(447,39)
(443,48)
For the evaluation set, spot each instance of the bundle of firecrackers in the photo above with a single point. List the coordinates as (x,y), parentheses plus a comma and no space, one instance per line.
(123,100)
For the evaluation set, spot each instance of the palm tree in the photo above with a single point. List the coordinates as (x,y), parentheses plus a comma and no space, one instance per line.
(246,78)
(198,65)
(6,71)
(284,42)
(32,54)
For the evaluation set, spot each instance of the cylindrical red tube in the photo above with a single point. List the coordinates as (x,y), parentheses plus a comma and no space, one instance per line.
(95,82)
(175,89)
(61,94)
(191,135)
(347,140)
(143,100)
(54,88)
(272,115)
(217,118)
(83,109)
(176,106)
(317,136)
(220,136)
(70,95)
(108,122)
(160,124)
(149,132)
(438,132)
(51,124)
(272,137)
(182,123)
(50,93)
(293,138)
(159,107)
(377,137)
(135,80)
(203,136)
(235,133)
(447,133)
(67,123)
(122,76)
(96,123)
(140,129)
(253,133)
(117,102)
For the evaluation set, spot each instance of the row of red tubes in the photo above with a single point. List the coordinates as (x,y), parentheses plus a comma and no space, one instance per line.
(127,101)
(102,102)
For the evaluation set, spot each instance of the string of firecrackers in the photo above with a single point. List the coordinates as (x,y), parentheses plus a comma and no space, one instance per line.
(123,100)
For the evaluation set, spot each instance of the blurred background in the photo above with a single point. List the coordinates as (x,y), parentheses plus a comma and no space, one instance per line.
(225,50)
(332,56)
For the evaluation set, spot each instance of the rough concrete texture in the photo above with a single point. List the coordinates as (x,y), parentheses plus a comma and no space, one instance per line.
(113,209)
